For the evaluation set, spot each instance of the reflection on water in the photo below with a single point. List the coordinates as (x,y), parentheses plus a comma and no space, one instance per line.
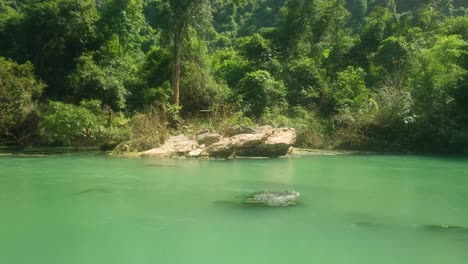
(81,208)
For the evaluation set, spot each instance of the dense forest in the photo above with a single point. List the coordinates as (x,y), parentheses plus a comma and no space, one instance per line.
(387,75)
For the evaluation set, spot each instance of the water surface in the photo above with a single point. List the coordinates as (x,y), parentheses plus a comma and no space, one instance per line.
(89,208)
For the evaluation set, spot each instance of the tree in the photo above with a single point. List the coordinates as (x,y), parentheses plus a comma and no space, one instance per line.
(19,90)
(50,34)
(304,82)
(125,19)
(185,13)
(257,91)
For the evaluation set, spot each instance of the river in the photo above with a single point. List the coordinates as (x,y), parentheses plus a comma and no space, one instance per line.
(88,208)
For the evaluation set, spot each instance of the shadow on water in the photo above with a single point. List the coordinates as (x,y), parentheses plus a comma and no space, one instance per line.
(161,165)
(93,190)
(427,228)
(443,228)
(45,152)
(244,205)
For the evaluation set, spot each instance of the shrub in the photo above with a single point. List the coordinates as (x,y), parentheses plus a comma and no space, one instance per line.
(147,130)
(19,90)
(85,125)
(350,90)
(304,82)
(228,65)
(257,90)
(237,120)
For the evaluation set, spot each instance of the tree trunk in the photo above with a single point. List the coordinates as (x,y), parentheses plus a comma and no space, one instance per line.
(175,82)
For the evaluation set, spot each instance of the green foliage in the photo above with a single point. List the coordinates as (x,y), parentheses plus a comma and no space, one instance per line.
(258,90)
(123,18)
(358,9)
(236,120)
(392,54)
(255,48)
(104,82)
(147,130)
(229,66)
(50,34)
(388,74)
(304,83)
(10,20)
(350,90)
(378,27)
(19,91)
(439,74)
(200,91)
(86,125)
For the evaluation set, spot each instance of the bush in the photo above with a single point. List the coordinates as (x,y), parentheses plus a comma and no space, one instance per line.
(237,120)
(199,90)
(19,90)
(304,82)
(229,66)
(256,48)
(147,130)
(350,90)
(257,90)
(91,80)
(85,125)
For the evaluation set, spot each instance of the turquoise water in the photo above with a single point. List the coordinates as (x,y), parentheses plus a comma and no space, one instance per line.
(89,208)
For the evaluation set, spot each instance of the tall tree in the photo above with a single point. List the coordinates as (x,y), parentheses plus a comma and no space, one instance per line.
(185,13)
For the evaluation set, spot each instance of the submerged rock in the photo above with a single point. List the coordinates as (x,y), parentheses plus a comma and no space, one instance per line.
(274,199)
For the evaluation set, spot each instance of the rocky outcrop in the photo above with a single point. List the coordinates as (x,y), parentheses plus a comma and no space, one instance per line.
(261,142)
(208,139)
(222,149)
(173,147)
(268,143)
(236,130)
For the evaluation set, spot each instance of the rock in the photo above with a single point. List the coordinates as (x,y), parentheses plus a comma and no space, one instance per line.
(263,142)
(263,129)
(208,138)
(277,142)
(222,149)
(250,140)
(236,130)
(203,131)
(175,146)
(274,199)
(195,153)
(178,138)
(123,148)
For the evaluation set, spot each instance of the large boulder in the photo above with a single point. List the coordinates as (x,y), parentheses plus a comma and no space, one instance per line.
(175,146)
(222,149)
(250,140)
(274,142)
(236,130)
(208,138)
(263,142)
